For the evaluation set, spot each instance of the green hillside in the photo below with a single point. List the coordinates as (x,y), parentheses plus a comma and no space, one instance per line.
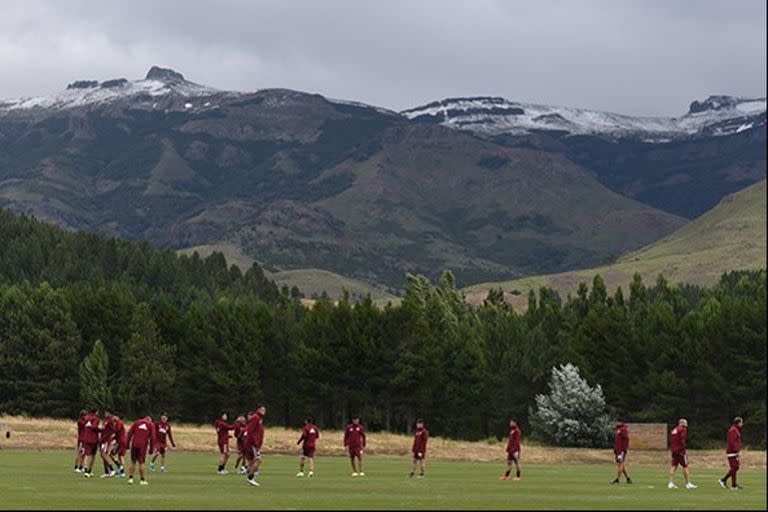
(731,236)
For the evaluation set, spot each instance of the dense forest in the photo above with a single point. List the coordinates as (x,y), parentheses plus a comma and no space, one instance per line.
(84,318)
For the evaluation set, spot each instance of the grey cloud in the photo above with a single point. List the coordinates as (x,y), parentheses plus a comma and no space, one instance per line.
(647,57)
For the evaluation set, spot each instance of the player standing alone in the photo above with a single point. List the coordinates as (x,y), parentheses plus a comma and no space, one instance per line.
(140,435)
(222,439)
(620,447)
(419,448)
(732,453)
(354,440)
(679,457)
(164,434)
(513,450)
(308,441)
(254,439)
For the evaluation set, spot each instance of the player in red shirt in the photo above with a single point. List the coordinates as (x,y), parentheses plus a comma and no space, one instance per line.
(222,439)
(620,447)
(91,433)
(164,435)
(732,450)
(140,436)
(308,441)
(239,433)
(253,441)
(80,448)
(120,446)
(679,457)
(107,437)
(354,441)
(419,448)
(513,450)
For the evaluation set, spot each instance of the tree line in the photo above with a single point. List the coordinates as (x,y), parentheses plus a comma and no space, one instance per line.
(88,320)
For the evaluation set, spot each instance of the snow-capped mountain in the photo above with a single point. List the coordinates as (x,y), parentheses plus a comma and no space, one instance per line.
(492,116)
(161,88)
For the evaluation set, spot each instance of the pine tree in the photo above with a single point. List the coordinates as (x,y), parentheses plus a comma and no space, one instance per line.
(94,369)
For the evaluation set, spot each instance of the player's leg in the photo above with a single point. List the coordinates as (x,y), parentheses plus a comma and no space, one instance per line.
(509,469)
(352,461)
(162,461)
(687,473)
(413,466)
(422,465)
(311,461)
(672,470)
(517,467)
(360,463)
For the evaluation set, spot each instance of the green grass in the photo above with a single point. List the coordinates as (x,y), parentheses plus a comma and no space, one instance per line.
(44,480)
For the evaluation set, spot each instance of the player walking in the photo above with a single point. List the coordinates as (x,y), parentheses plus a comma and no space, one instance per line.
(222,439)
(513,450)
(308,441)
(164,434)
(732,450)
(679,457)
(620,447)
(253,441)
(354,440)
(419,448)
(140,435)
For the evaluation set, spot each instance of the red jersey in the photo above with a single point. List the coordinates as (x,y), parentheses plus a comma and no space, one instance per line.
(91,429)
(239,432)
(621,441)
(513,443)
(80,427)
(354,436)
(734,441)
(309,435)
(108,432)
(254,430)
(678,440)
(420,438)
(141,433)
(164,434)
(222,430)
(120,435)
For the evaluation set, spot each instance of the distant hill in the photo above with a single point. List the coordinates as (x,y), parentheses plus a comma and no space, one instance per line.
(731,236)
(298,181)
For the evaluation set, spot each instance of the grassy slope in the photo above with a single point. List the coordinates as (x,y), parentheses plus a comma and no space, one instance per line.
(36,480)
(731,236)
(310,281)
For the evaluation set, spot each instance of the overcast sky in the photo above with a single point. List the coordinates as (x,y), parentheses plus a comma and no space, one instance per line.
(637,57)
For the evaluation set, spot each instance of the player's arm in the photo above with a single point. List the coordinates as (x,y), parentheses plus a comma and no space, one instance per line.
(170,436)
(301,439)
(363,435)
(346,436)
(131,431)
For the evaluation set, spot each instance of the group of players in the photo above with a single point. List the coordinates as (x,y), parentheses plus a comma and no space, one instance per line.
(111,441)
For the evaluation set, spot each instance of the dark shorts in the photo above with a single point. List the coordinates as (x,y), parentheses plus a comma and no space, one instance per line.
(252,452)
(355,451)
(240,448)
(161,449)
(513,456)
(224,448)
(118,449)
(621,457)
(419,455)
(679,459)
(138,454)
(308,451)
(734,463)
(90,448)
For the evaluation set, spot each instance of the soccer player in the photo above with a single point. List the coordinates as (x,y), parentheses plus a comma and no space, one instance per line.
(140,435)
(107,437)
(513,450)
(354,440)
(732,450)
(120,446)
(620,447)
(80,448)
(239,433)
(419,448)
(679,457)
(308,441)
(164,434)
(253,441)
(91,432)
(222,439)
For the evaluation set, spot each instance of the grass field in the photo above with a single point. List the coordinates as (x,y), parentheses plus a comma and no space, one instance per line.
(44,480)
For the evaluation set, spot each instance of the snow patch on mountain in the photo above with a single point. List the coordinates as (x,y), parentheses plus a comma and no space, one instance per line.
(492,116)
